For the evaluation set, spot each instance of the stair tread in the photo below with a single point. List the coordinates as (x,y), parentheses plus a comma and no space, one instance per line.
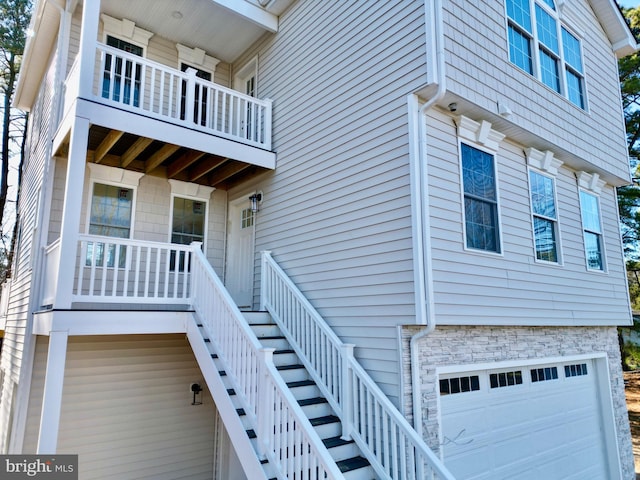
(312,401)
(336,442)
(324,420)
(301,383)
(284,351)
(289,367)
(354,463)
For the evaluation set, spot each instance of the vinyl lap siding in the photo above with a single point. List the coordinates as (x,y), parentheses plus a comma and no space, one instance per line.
(126,408)
(38,151)
(337,214)
(478,69)
(473,288)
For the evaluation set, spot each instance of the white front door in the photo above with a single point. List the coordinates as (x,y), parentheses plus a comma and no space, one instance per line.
(240,253)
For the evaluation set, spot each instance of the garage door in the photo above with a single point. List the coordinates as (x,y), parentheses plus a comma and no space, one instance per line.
(534,422)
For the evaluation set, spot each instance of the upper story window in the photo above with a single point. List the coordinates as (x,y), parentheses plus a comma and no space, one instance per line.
(544,48)
(478,146)
(545,216)
(592,230)
(480,199)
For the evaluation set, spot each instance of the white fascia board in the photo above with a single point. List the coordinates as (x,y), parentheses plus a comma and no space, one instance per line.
(168,132)
(615,26)
(251,12)
(110,322)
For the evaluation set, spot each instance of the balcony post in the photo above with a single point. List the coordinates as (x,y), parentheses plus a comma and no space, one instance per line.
(267,123)
(191,109)
(71,212)
(87,54)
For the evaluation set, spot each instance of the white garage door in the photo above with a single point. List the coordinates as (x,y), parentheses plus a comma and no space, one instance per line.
(535,422)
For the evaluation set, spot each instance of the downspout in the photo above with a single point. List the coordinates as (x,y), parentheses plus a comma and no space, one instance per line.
(422,227)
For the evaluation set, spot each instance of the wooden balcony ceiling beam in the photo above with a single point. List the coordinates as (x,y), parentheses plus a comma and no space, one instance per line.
(160,156)
(184,161)
(226,171)
(134,150)
(204,167)
(109,141)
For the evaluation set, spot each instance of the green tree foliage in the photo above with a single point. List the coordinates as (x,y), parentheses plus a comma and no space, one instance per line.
(15,16)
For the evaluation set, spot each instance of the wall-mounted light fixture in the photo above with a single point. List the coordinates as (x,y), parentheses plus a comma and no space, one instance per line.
(196,389)
(256,200)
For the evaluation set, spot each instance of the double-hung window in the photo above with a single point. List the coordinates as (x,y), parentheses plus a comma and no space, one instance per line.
(122,76)
(111,209)
(480,199)
(545,217)
(592,229)
(541,46)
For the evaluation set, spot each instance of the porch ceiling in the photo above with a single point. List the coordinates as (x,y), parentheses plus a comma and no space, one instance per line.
(209,25)
(125,150)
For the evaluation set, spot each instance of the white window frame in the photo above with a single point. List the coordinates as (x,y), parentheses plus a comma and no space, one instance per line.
(535,44)
(592,184)
(195,192)
(248,70)
(545,164)
(481,136)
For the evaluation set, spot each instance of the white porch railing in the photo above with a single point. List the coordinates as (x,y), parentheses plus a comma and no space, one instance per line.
(120,270)
(285,435)
(143,86)
(391,445)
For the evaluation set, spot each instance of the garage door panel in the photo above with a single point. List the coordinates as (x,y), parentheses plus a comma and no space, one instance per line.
(545,429)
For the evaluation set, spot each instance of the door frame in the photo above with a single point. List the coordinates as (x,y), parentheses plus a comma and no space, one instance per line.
(235,206)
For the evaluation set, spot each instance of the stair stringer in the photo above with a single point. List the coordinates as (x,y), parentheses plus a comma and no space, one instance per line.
(245,451)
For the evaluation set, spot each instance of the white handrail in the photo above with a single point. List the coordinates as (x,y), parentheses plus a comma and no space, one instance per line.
(285,435)
(391,445)
(141,85)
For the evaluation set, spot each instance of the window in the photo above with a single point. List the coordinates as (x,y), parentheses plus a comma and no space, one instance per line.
(542,47)
(121,77)
(576,370)
(592,230)
(505,379)
(111,208)
(544,374)
(480,199)
(449,386)
(543,207)
(188,221)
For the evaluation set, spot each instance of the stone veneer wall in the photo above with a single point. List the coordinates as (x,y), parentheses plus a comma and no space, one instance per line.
(461,345)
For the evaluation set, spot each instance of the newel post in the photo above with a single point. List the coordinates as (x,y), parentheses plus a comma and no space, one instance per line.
(191,109)
(194,273)
(346,390)
(265,285)
(265,401)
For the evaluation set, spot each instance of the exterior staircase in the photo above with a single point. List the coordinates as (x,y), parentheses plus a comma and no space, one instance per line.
(346,453)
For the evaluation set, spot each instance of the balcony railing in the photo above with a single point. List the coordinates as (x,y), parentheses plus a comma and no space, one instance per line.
(139,85)
(123,271)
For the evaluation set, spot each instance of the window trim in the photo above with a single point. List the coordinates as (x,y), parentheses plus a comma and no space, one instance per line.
(125,30)
(481,136)
(591,184)
(556,221)
(190,191)
(536,45)
(205,220)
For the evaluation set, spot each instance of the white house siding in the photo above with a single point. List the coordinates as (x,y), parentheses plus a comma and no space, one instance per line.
(455,345)
(478,288)
(336,214)
(479,70)
(126,408)
(15,346)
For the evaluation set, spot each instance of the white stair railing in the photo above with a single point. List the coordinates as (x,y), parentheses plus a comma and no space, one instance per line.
(285,435)
(391,445)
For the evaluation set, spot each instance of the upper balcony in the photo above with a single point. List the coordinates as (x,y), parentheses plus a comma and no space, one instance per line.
(122,65)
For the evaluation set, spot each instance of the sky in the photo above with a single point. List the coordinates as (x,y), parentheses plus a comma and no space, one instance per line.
(629,3)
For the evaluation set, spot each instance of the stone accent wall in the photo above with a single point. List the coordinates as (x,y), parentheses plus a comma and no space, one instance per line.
(461,345)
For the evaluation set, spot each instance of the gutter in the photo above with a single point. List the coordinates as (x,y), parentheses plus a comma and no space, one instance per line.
(423,278)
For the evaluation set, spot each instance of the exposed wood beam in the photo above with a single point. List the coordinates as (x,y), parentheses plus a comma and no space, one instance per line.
(134,150)
(183,162)
(109,141)
(106,159)
(160,156)
(226,171)
(204,167)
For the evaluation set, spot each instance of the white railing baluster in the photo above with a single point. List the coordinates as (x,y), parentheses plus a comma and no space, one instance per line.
(390,444)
